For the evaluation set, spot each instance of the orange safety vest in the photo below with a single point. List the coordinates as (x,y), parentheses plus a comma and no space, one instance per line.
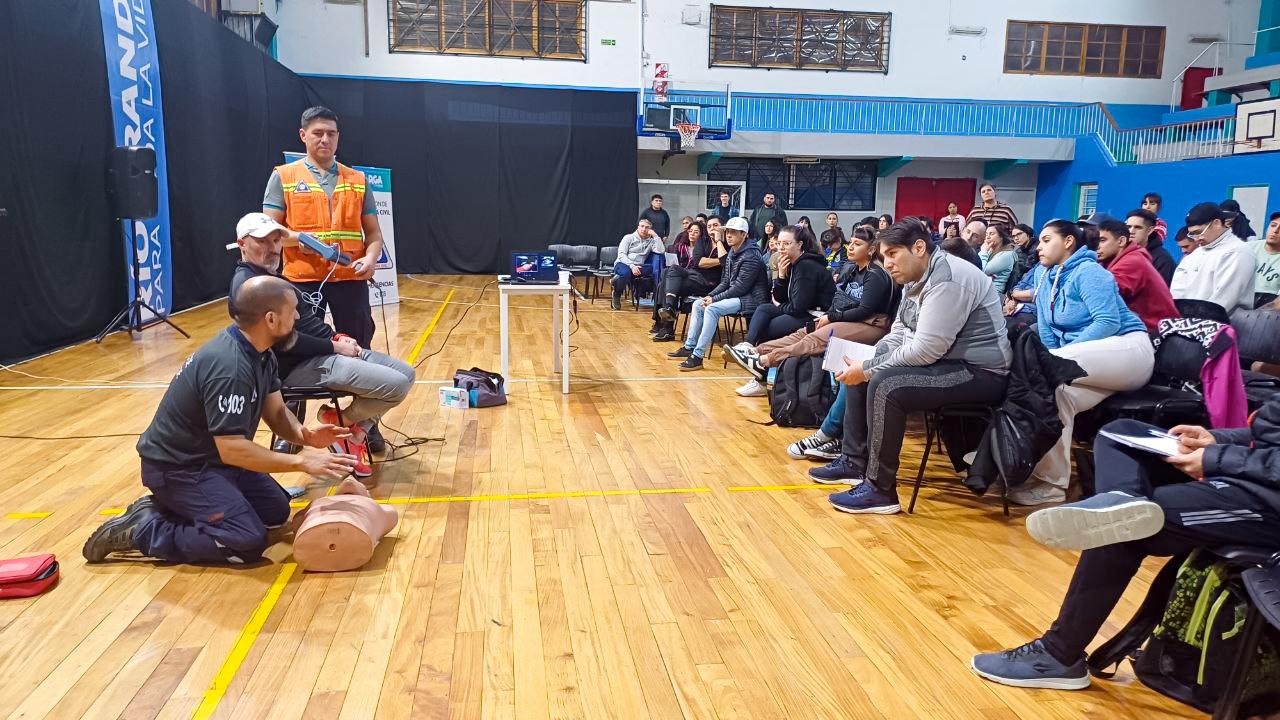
(337,221)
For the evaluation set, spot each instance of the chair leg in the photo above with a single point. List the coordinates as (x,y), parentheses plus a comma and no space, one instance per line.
(924,461)
(1228,707)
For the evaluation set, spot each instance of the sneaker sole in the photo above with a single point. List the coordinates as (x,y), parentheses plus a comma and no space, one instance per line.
(1076,528)
(736,358)
(852,482)
(886,510)
(815,455)
(690,369)
(762,393)
(1043,683)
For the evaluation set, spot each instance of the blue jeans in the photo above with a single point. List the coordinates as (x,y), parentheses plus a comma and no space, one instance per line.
(833,424)
(651,268)
(703,322)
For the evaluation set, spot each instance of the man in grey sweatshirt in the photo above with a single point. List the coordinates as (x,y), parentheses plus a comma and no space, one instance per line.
(633,258)
(948,346)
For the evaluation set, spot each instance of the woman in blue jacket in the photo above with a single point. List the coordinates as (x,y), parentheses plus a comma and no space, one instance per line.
(1081,316)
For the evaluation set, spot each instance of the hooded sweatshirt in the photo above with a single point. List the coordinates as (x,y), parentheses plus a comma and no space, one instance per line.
(1079,301)
(1220,272)
(634,249)
(1141,286)
(807,286)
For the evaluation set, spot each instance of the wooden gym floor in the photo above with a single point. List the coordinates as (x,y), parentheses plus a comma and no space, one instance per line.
(637,549)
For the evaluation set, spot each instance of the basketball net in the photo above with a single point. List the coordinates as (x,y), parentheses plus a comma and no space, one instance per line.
(688,133)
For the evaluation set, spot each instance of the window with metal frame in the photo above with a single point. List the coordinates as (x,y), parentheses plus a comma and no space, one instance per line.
(762,175)
(554,29)
(799,39)
(824,185)
(1086,199)
(1128,51)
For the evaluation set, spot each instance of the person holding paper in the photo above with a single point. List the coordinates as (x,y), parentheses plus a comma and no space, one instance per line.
(948,345)
(1147,505)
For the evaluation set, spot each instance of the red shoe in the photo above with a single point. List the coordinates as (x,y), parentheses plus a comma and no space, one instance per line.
(358,445)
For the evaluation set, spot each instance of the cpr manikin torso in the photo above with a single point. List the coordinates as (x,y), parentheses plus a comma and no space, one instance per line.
(340,532)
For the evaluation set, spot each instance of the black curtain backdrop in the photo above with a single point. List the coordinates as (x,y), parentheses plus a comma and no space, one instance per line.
(481,171)
(66,273)
(229,113)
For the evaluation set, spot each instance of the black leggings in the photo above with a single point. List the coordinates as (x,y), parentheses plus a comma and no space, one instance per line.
(770,323)
(348,300)
(1209,513)
(680,283)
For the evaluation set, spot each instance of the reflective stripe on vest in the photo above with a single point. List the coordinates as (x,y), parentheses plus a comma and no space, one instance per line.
(335,220)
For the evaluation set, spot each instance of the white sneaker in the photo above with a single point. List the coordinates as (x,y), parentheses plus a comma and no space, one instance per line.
(798,448)
(746,348)
(1037,493)
(829,450)
(752,389)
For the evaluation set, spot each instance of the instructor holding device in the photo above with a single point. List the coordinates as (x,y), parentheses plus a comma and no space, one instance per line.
(323,197)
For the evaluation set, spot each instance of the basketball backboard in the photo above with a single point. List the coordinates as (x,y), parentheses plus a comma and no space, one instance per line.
(669,102)
(1257,123)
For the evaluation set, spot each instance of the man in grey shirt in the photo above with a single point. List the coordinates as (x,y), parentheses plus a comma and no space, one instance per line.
(948,346)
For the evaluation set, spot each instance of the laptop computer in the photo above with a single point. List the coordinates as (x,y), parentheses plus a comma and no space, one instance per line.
(534,268)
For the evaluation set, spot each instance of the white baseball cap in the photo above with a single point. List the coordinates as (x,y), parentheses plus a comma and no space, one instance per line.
(739,224)
(258,225)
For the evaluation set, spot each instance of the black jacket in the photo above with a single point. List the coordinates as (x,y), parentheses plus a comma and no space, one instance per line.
(870,290)
(1161,259)
(314,336)
(660,221)
(705,248)
(1249,457)
(746,277)
(1026,426)
(807,286)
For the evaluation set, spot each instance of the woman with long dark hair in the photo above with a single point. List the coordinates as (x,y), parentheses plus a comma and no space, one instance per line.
(697,271)
(803,284)
(997,256)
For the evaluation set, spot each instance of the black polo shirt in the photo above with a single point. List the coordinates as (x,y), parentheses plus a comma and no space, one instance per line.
(219,390)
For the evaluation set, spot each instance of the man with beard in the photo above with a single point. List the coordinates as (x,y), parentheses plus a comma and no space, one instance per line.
(315,355)
(212,500)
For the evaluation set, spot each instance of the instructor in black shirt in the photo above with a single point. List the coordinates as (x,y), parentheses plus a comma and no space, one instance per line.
(211,498)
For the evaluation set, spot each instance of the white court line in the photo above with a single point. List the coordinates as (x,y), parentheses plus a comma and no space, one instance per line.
(159,386)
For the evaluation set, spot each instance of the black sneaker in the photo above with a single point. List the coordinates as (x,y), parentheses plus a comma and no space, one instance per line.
(655,328)
(665,335)
(116,535)
(667,313)
(693,362)
(374,440)
(682,352)
(284,446)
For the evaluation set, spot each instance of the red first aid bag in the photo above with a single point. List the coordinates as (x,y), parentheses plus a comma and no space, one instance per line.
(24,577)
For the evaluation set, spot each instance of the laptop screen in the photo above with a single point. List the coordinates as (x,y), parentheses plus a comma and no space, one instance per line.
(535,266)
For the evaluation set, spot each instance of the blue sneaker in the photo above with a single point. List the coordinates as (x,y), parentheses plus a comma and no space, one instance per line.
(839,472)
(1104,519)
(866,498)
(1031,666)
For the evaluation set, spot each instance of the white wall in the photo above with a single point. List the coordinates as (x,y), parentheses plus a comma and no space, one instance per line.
(316,37)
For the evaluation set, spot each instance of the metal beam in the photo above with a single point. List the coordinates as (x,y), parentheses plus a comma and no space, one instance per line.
(891,165)
(993,169)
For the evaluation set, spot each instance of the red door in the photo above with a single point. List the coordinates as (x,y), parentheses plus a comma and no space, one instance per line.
(930,196)
(1193,86)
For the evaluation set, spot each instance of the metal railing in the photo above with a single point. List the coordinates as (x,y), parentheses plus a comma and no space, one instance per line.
(1216,47)
(971,118)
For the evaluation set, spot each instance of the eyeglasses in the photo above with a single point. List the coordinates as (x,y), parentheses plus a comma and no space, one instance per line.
(1197,234)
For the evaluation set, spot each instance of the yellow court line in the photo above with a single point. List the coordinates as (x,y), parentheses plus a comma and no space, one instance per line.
(244,643)
(417,348)
(25,516)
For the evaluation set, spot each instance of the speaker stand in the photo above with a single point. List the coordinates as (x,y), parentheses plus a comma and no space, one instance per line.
(130,317)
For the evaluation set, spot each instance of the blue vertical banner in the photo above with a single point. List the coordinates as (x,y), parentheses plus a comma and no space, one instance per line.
(133,75)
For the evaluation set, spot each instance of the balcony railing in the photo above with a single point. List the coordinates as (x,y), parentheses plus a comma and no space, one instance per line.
(1165,143)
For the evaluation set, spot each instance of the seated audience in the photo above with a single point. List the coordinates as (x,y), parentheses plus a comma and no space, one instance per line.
(825,443)
(1266,255)
(723,209)
(802,222)
(211,499)
(635,259)
(1025,254)
(859,312)
(702,218)
(884,221)
(991,211)
(1141,287)
(770,235)
(1142,227)
(681,239)
(962,249)
(1081,317)
(997,256)
(1221,269)
(803,284)
(947,346)
(1185,244)
(1219,491)
(1152,202)
(697,272)
(316,356)
(833,243)
(743,286)
(1235,219)
(975,234)
(949,230)
(953,217)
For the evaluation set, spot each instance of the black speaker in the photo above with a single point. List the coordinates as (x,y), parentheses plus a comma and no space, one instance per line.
(131,182)
(264,31)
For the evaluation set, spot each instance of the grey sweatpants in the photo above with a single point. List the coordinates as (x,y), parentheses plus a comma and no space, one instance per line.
(379,382)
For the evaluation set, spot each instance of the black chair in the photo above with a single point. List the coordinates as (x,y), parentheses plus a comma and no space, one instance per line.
(732,326)
(563,253)
(932,422)
(1202,310)
(603,274)
(1258,339)
(581,262)
(1162,402)
(1261,579)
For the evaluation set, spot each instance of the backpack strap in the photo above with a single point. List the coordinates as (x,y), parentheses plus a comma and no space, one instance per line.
(1140,626)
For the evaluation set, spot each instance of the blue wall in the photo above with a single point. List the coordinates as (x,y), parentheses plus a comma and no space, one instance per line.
(1129,117)
(1121,187)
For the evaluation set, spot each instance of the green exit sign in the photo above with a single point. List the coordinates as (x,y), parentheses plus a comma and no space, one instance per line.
(608,41)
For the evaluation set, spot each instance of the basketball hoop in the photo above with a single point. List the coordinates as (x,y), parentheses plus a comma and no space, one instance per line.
(688,133)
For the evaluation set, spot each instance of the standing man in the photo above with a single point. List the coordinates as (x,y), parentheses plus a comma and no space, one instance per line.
(211,499)
(723,210)
(766,212)
(992,211)
(1142,225)
(1221,269)
(320,196)
(658,218)
(1266,251)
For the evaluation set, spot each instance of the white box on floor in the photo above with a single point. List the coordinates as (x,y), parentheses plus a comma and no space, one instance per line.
(453,397)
